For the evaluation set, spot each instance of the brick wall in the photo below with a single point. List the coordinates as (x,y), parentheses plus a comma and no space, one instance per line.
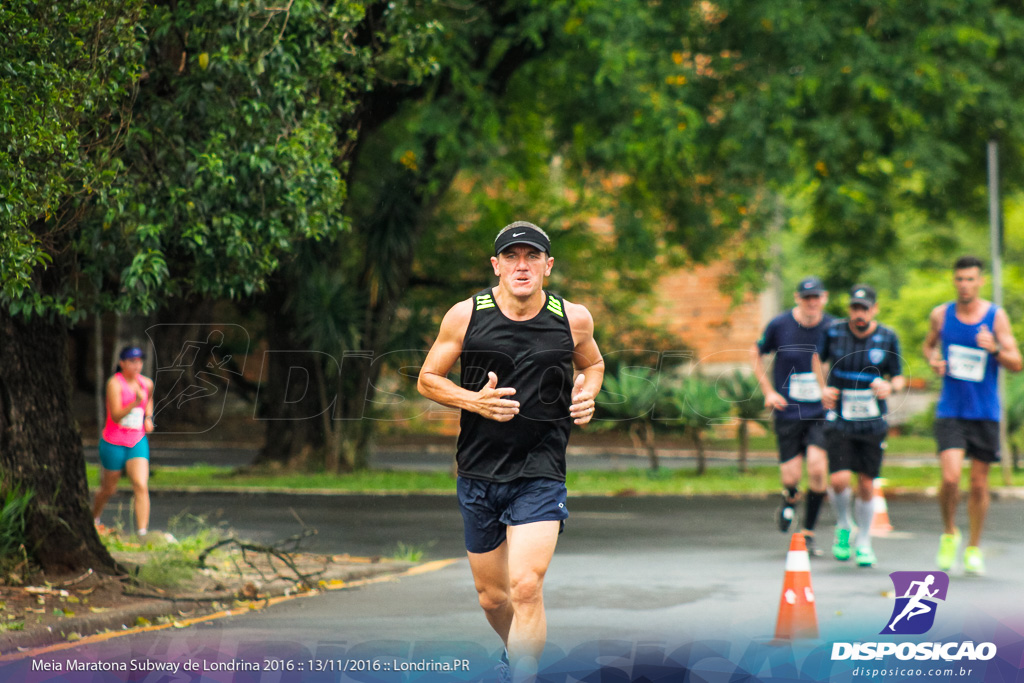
(719,331)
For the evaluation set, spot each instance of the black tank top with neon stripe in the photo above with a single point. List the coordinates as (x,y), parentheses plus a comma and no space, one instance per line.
(535,357)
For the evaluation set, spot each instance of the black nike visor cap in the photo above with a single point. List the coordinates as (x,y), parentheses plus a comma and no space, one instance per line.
(522,233)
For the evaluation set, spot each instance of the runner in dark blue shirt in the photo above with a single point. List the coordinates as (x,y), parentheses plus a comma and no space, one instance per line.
(794,396)
(866,367)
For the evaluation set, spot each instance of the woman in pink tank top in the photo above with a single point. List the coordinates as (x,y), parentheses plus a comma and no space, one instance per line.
(123,444)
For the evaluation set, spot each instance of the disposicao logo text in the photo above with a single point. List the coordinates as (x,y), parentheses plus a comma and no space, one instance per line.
(917,600)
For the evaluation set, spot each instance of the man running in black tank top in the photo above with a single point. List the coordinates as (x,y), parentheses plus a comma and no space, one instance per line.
(519,347)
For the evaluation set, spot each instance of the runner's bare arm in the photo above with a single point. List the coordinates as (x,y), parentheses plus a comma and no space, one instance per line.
(829,395)
(148,422)
(491,401)
(931,348)
(883,388)
(587,359)
(1006,351)
(118,413)
(772,398)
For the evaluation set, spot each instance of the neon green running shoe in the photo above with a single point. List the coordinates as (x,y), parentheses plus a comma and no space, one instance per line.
(866,557)
(948,545)
(974,563)
(841,546)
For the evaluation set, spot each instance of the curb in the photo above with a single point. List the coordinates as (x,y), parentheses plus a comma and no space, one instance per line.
(997,493)
(114,621)
(98,627)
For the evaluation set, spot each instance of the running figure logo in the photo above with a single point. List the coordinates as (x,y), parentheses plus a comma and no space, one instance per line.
(916,593)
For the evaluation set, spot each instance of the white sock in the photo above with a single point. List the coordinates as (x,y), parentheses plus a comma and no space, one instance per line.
(842,502)
(96,521)
(143,531)
(864,512)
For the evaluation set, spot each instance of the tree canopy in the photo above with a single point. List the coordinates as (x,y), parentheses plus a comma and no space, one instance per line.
(327,163)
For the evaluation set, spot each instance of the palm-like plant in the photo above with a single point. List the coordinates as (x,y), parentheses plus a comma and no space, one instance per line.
(744,392)
(628,397)
(697,406)
(1014,415)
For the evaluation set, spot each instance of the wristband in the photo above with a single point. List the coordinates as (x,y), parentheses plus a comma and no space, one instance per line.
(998,350)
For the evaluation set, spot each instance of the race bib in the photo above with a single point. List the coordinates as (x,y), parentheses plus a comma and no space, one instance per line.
(859,404)
(803,386)
(134,420)
(966,363)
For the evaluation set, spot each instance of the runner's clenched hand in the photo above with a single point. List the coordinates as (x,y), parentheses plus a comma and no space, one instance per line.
(491,402)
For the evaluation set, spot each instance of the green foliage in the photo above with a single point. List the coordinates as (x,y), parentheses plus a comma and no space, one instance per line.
(631,393)
(67,70)
(164,562)
(407,552)
(744,393)
(12,524)
(1015,406)
(920,424)
(695,405)
(231,159)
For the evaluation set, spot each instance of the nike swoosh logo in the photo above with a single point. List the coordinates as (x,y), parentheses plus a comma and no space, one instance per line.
(517,234)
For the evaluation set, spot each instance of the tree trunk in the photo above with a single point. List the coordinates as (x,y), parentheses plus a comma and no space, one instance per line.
(41,447)
(698,442)
(744,434)
(641,433)
(289,400)
(652,454)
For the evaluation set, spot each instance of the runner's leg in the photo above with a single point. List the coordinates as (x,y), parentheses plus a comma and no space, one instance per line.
(138,472)
(490,576)
(817,484)
(951,462)
(530,548)
(978,500)
(108,485)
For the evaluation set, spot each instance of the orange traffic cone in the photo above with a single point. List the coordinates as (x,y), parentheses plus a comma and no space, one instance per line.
(880,524)
(797,615)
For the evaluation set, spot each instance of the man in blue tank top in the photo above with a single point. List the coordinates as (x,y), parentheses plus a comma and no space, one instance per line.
(793,395)
(519,347)
(968,341)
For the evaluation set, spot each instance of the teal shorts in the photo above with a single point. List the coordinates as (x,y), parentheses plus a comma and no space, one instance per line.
(113,458)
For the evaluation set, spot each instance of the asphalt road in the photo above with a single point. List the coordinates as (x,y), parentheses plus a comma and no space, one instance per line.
(632,580)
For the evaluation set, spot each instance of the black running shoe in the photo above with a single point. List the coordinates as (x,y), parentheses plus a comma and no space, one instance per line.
(812,548)
(784,516)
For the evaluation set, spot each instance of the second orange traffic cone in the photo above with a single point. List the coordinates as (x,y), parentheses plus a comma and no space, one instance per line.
(798,616)
(880,524)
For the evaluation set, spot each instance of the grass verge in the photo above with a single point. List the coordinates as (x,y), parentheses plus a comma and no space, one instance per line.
(760,479)
(164,560)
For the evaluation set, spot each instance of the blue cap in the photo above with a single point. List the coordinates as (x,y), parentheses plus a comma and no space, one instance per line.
(129,352)
(810,286)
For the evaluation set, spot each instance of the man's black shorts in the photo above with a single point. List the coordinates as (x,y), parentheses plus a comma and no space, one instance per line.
(489,507)
(860,453)
(794,436)
(979,438)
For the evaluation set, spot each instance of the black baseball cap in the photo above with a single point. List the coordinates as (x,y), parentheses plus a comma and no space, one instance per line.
(863,295)
(129,352)
(521,232)
(810,286)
